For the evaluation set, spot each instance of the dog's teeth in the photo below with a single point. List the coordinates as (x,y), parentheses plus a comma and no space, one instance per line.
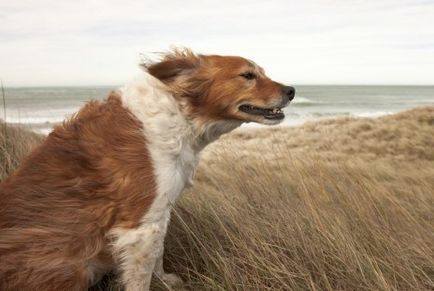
(275,110)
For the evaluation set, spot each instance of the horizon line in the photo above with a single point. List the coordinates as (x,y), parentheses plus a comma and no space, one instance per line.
(300,84)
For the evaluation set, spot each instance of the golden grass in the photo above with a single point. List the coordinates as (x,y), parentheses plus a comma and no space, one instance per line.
(345,204)
(15,142)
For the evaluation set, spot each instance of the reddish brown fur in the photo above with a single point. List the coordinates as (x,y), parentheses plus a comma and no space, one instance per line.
(213,86)
(94,173)
(56,209)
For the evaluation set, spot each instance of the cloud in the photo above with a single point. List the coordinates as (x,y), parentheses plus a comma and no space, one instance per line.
(49,42)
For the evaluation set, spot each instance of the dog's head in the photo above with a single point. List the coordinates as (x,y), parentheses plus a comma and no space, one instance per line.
(222,88)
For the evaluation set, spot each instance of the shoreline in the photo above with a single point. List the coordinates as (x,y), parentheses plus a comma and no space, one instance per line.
(46,127)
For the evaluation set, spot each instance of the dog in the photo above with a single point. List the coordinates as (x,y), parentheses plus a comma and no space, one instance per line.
(97,194)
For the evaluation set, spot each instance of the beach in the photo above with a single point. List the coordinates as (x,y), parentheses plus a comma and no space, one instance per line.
(344,203)
(336,195)
(41,107)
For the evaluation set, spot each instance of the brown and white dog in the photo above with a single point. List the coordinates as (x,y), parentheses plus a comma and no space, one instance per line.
(97,194)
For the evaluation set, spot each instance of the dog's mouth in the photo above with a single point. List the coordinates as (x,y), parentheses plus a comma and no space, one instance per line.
(275,113)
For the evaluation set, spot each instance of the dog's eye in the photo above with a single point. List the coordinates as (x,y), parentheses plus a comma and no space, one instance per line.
(248,75)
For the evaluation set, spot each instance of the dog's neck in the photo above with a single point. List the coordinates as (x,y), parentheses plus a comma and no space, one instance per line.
(207,132)
(173,139)
(166,118)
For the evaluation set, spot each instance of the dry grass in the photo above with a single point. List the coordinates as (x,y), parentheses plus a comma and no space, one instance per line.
(343,204)
(15,142)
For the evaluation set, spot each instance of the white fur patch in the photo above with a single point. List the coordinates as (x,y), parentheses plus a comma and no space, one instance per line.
(174,145)
(169,136)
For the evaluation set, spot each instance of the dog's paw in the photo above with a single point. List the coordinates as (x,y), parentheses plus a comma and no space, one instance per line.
(172,280)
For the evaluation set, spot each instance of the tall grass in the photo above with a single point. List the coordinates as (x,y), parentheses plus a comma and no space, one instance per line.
(344,204)
(15,143)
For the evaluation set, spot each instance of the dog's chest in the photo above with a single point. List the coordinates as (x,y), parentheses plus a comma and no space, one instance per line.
(174,170)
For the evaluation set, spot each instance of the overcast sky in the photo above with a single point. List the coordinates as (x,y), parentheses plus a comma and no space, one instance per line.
(55,42)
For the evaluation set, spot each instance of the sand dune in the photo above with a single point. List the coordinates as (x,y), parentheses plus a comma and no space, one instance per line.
(342,204)
(404,136)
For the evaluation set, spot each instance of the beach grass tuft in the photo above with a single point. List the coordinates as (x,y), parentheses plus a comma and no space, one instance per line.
(340,204)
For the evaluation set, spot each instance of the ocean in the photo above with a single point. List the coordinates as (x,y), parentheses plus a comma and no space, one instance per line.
(41,107)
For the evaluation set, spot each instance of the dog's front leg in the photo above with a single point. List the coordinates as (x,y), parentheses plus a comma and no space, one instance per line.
(138,251)
(170,279)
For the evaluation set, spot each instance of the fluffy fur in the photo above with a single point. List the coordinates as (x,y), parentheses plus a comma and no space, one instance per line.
(97,194)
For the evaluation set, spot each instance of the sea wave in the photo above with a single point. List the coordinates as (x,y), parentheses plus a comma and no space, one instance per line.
(38,115)
(322,114)
(40,120)
(35,120)
(302,100)
(373,113)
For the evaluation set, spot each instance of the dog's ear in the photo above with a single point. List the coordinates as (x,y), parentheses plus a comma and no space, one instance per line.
(174,64)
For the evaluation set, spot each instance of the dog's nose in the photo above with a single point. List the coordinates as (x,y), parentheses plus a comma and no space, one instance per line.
(289,92)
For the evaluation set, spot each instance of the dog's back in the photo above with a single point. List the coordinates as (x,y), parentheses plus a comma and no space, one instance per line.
(100,189)
(57,208)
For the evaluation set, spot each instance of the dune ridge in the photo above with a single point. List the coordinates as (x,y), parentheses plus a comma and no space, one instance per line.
(340,204)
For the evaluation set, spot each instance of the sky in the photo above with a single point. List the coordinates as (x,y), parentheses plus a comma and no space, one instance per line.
(96,42)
